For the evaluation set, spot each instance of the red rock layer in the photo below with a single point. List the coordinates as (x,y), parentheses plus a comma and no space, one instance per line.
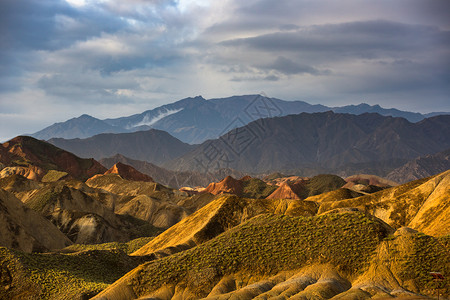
(128,172)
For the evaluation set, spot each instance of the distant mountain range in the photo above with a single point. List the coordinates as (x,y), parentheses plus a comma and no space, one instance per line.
(321,141)
(194,120)
(304,144)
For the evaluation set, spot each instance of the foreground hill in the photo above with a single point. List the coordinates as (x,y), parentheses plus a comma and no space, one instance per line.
(327,245)
(78,275)
(320,141)
(153,145)
(33,158)
(312,261)
(422,167)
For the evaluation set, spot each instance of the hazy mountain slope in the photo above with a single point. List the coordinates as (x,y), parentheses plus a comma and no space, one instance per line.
(421,167)
(81,127)
(34,158)
(321,140)
(153,145)
(422,205)
(173,179)
(24,229)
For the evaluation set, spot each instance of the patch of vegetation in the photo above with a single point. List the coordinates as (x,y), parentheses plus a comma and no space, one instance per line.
(321,184)
(128,247)
(266,245)
(140,228)
(53,175)
(427,254)
(256,188)
(42,198)
(63,276)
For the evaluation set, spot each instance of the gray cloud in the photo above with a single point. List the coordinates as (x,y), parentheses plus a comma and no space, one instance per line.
(369,39)
(289,67)
(123,56)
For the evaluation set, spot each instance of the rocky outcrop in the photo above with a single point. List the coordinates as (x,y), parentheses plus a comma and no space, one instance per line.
(128,172)
(288,190)
(227,185)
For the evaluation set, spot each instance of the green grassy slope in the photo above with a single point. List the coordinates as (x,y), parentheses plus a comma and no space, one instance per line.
(264,245)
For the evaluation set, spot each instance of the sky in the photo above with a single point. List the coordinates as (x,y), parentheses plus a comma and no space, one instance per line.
(60,59)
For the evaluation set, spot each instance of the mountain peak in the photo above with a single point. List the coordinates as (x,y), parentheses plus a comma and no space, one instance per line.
(128,172)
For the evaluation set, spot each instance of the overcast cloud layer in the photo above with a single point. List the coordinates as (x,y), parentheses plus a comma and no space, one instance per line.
(110,58)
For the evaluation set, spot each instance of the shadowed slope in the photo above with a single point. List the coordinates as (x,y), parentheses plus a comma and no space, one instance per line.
(24,229)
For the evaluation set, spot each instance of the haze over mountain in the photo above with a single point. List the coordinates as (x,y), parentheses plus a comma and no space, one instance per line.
(344,143)
(173,179)
(194,120)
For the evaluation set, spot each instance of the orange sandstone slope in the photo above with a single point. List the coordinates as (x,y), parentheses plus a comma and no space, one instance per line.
(288,190)
(422,205)
(128,172)
(227,185)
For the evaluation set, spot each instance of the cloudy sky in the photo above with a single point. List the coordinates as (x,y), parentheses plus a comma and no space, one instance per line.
(109,58)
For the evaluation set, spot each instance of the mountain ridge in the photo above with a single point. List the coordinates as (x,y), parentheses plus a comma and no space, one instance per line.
(323,141)
(195,119)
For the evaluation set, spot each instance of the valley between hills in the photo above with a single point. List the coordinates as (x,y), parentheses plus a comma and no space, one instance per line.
(317,204)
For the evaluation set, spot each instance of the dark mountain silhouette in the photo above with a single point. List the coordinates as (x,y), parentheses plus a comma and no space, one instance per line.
(194,120)
(153,145)
(324,141)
